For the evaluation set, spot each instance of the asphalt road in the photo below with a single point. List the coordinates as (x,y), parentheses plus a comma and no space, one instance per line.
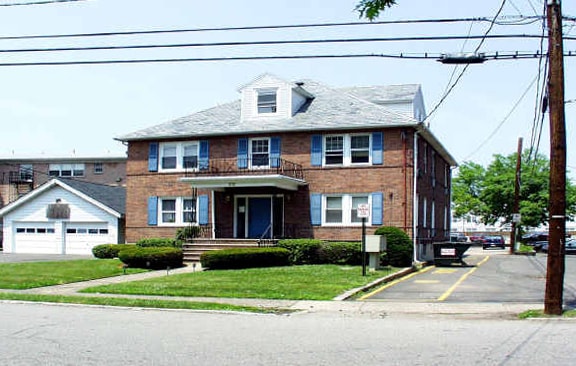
(493,276)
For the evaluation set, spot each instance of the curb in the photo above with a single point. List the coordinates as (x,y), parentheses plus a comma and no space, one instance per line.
(351,293)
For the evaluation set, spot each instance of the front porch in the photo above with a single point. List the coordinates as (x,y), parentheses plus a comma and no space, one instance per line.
(252,197)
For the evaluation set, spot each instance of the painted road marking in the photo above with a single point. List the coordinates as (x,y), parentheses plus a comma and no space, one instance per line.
(426,281)
(390,284)
(461,279)
(444,271)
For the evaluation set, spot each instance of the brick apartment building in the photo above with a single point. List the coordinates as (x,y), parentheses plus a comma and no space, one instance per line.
(292,160)
(21,175)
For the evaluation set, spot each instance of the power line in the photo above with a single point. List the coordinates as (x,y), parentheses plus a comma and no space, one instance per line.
(513,20)
(423,56)
(274,42)
(46,2)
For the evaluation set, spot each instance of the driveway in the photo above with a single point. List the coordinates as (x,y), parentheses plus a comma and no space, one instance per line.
(20,257)
(494,276)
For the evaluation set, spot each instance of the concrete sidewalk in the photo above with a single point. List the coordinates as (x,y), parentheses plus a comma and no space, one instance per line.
(343,308)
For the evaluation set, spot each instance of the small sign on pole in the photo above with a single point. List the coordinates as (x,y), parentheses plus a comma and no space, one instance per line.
(363,211)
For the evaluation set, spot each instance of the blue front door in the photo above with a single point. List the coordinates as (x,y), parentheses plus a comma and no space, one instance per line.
(259,217)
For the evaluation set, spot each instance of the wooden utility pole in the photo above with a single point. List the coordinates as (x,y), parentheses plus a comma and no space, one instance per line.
(516,208)
(557,207)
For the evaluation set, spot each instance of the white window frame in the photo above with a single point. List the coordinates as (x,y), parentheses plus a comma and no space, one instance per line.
(251,153)
(268,107)
(347,208)
(180,148)
(347,149)
(98,168)
(178,211)
(60,169)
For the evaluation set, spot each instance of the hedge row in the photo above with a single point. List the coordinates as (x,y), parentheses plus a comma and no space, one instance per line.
(245,258)
(152,257)
(159,242)
(314,251)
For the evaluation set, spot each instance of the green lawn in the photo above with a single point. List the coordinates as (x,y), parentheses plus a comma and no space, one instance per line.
(38,274)
(142,303)
(311,282)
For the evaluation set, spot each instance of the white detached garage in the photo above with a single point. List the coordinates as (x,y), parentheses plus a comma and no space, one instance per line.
(64,216)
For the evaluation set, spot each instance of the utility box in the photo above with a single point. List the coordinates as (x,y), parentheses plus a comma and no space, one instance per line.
(375,243)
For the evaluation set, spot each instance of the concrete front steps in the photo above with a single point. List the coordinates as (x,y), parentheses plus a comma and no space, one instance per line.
(194,249)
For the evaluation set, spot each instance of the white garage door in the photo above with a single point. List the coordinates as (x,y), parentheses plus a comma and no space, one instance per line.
(33,237)
(82,237)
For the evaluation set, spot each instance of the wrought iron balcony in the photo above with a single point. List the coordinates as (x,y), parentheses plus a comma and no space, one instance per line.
(252,165)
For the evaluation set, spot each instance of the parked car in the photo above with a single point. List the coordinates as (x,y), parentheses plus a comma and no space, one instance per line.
(535,237)
(569,245)
(479,239)
(458,237)
(492,241)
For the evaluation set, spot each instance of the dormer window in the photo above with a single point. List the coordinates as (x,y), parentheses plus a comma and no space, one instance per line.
(267,102)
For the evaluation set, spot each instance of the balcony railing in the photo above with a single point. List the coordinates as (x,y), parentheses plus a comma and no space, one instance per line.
(253,165)
(20,177)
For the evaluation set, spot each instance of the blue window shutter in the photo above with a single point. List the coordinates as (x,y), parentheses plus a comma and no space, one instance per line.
(275,152)
(377,208)
(316,209)
(153,210)
(377,148)
(153,157)
(204,155)
(316,153)
(203,210)
(242,153)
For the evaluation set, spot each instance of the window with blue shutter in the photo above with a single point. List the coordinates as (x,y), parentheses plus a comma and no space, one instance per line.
(316,151)
(377,148)
(204,155)
(377,209)
(153,157)
(275,152)
(153,210)
(316,209)
(203,210)
(242,153)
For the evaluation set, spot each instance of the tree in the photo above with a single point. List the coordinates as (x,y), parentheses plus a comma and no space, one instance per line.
(371,8)
(489,192)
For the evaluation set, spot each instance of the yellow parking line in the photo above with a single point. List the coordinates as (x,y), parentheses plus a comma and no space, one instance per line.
(460,280)
(390,284)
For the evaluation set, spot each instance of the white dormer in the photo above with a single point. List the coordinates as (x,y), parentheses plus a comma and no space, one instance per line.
(271,97)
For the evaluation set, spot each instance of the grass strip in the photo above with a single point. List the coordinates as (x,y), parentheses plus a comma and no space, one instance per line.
(19,276)
(141,303)
(540,314)
(307,282)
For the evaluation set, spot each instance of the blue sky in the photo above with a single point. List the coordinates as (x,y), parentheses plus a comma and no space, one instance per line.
(78,110)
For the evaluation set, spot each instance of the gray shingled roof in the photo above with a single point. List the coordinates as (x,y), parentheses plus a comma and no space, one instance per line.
(111,196)
(384,93)
(330,109)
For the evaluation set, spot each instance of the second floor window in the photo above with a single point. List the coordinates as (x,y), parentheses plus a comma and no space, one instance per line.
(66,170)
(98,168)
(260,152)
(347,149)
(267,101)
(178,156)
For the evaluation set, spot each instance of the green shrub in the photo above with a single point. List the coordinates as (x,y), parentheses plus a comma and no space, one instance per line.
(340,253)
(302,251)
(245,258)
(187,233)
(158,242)
(399,250)
(104,251)
(151,257)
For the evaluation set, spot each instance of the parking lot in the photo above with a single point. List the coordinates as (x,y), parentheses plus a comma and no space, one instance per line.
(492,276)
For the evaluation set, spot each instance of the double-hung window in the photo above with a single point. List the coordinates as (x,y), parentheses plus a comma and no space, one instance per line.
(347,149)
(343,209)
(66,170)
(177,211)
(260,152)
(179,155)
(267,102)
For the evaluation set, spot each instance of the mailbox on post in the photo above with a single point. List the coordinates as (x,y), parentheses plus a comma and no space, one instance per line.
(375,244)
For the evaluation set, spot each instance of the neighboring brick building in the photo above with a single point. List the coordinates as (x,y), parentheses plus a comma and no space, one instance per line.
(292,160)
(21,175)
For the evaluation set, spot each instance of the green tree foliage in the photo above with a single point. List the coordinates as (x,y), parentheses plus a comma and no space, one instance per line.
(371,9)
(399,246)
(489,192)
